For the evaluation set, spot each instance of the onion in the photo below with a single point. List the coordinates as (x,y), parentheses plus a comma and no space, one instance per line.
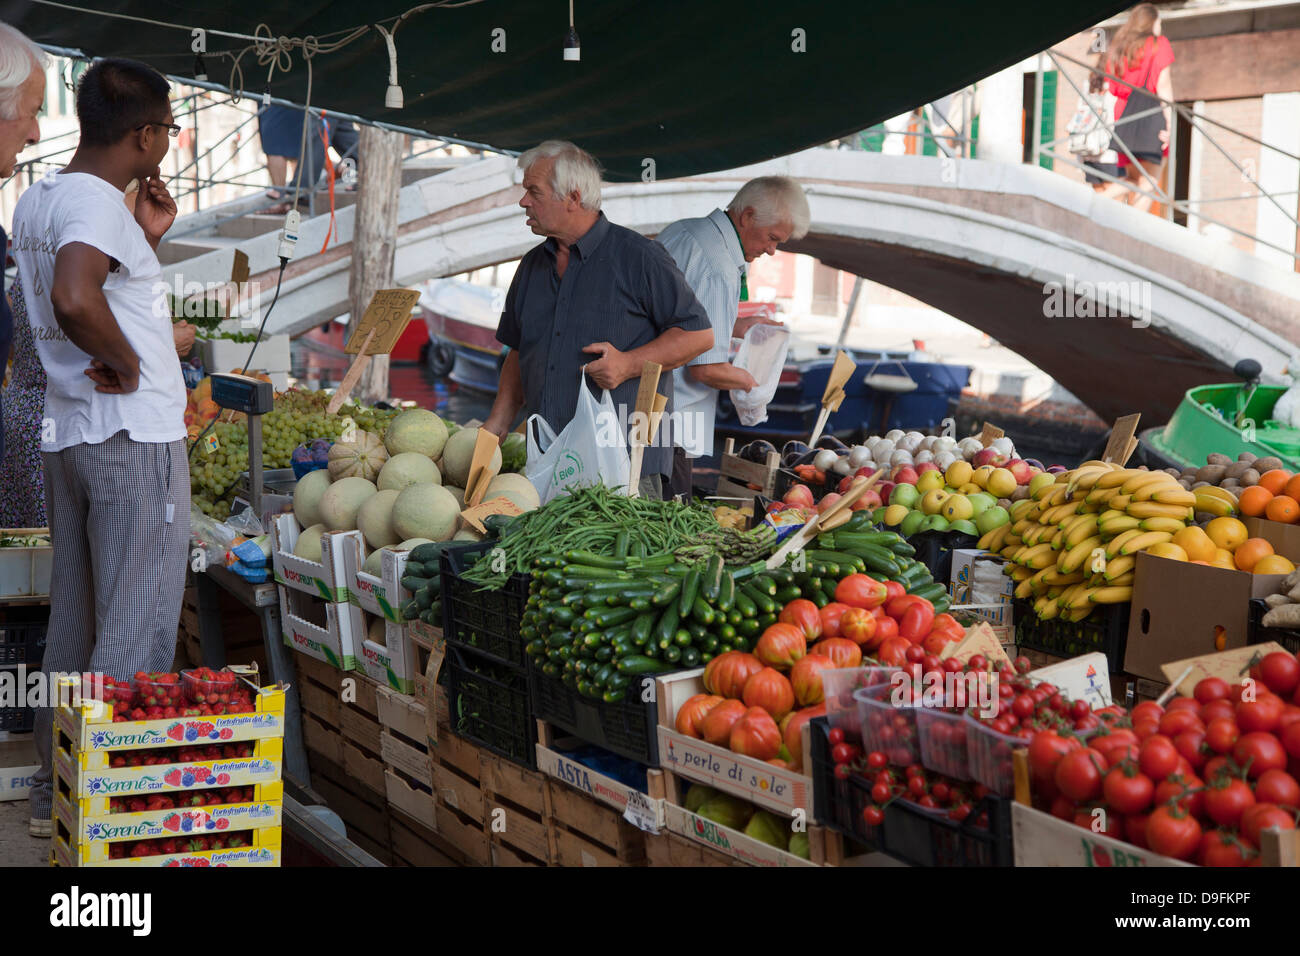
(944,458)
(859,455)
(1004,446)
(894,434)
(944,443)
(969,446)
(923,455)
(927,443)
(884,448)
(842,467)
(824,459)
(873,441)
(901,457)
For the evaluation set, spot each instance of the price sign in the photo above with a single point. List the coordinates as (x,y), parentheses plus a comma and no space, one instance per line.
(639,812)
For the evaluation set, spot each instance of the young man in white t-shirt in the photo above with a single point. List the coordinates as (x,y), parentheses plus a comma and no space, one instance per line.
(113,438)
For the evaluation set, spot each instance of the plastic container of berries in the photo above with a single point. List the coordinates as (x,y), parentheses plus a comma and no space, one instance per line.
(157,690)
(203,685)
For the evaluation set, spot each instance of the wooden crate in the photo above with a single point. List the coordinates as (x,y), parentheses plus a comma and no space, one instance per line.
(516,812)
(668,849)
(429,652)
(363,811)
(587,833)
(241,631)
(414,844)
(738,478)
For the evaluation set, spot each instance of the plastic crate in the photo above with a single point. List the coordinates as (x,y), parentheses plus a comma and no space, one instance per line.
(837,803)
(1259,634)
(19,720)
(934,550)
(486,622)
(990,756)
(944,741)
(922,837)
(22,642)
(887,728)
(490,705)
(628,728)
(1105,630)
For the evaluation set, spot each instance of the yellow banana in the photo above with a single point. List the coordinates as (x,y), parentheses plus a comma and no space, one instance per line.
(1145,478)
(1116,543)
(1119,566)
(1058,513)
(1049,609)
(1049,495)
(1174,496)
(1081,597)
(1038,557)
(1144,541)
(1024,589)
(1120,502)
(1074,559)
(992,541)
(1212,504)
(1080,529)
(1154,509)
(1019,509)
(1116,478)
(1018,527)
(1085,478)
(1172,525)
(1055,577)
(1116,526)
(1057,539)
(1078,614)
(1098,463)
(1148,491)
(1100,496)
(1112,595)
(1215,491)
(1013,539)
(1110,514)
(1123,581)
(1020,574)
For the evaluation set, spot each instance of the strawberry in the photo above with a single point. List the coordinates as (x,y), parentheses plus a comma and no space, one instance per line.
(172,822)
(175,731)
(223,823)
(172,778)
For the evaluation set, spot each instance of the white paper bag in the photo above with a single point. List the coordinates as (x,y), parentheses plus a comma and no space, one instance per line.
(762,354)
(591,449)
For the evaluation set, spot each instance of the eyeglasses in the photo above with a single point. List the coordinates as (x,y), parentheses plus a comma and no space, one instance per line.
(172,129)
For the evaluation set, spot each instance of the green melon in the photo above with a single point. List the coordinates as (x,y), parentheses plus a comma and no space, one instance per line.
(459,454)
(307,495)
(418,430)
(307,546)
(375,633)
(467,534)
(342,500)
(411,543)
(408,468)
(458,493)
(426,511)
(375,519)
(375,563)
(515,487)
(360,458)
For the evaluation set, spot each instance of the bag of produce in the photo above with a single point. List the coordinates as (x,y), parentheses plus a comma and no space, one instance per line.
(590,450)
(762,354)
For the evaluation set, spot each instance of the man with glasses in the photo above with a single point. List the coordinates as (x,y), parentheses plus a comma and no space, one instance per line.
(113,438)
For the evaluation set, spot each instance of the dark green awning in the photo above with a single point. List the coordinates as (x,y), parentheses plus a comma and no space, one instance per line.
(693,86)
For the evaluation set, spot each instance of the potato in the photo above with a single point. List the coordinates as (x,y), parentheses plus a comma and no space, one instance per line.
(1286,616)
(1250,477)
(1200,484)
(1276,600)
(1185,484)
(1213,474)
(1237,469)
(1247,457)
(1267,464)
(1215,458)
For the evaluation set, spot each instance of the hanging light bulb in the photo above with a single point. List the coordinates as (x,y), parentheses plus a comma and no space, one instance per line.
(393,95)
(572,48)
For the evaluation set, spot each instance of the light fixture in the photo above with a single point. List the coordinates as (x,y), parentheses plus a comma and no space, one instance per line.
(393,95)
(266,98)
(572,48)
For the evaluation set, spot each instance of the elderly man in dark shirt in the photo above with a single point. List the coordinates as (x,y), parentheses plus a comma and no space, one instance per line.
(592,294)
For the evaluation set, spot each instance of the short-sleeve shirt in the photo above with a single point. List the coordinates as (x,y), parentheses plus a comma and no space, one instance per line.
(6,337)
(1145,71)
(709,253)
(618,287)
(63,208)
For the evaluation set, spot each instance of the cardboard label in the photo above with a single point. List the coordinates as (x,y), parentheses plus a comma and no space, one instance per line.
(1122,439)
(485,446)
(841,372)
(1081,678)
(639,812)
(387,316)
(1231,665)
(495,506)
(764,784)
(989,434)
(239,268)
(980,639)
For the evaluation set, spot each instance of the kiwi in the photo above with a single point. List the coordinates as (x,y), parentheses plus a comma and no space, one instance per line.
(1267,464)
(1249,477)
(1211,474)
(1217,458)
(1173,471)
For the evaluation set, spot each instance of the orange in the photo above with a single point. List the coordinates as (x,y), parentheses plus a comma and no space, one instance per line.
(1273,564)
(1275,480)
(1249,553)
(1196,543)
(1254,500)
(1283,509)
(1292,489)
(1167,549)
(1227,532)
(1223,559)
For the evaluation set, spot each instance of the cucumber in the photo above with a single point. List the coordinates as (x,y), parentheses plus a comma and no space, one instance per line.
(690,586)
(702,611)
(638,664)
(427,553)
(412,583)
(411,610)
(711,582)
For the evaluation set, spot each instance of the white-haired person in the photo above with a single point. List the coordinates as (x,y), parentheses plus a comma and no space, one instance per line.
(593,295)
(712,253)
(22,94)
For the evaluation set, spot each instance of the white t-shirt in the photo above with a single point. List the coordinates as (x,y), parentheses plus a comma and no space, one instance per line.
(80,207)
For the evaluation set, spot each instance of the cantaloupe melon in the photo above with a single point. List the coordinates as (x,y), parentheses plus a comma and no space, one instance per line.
(467,534)
(375,563)
(375,632)
(418,430)
(515,487)
(410,543)
(457,493)
(408,468)
(307,546)
(375,519)
(307,495)
(427,511)
(459,453)
(342,500)
(361,458)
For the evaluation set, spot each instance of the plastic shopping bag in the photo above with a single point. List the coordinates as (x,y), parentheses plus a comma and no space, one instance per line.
(591,449)
(762,354)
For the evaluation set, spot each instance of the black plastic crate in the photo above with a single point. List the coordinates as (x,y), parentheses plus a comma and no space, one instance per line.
(1104,630)
(934,550)
(837,803)
(483,621)
(17,719)
(628,728)
(22,642)
(1259,634)
(489,704)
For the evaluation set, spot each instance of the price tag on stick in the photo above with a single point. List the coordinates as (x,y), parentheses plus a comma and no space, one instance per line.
(1123,439)
(649,408)
(485,446)
(381,325)
(989,434)
(834,393)
(493,506)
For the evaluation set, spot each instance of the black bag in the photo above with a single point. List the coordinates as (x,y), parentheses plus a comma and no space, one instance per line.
(1141,134)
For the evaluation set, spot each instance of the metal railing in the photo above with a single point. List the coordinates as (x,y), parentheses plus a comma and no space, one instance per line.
(956,140)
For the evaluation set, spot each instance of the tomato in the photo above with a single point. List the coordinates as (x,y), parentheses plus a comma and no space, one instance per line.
(880,793)
(914,654)
(1145,728)
(1185,789)
(959,812)
(1290,714)
(1127,790)
(1045,752)
(1189,744)
(876,760)
(1080,708)
(1264,713)
(1183,703)
(1264,816)
(1227,799)
(1259,752)
(859,626)
(1290,737)
(835,735)
(1217,709)
(1147,710)
(1158,757)
(1135,829)
(861,590)
(886,630)
(830,615)
(1063,807)
(1210,688)
(1216,766)
(1221,848)
(843,771)
(1277,786)
(1220,734)
(1079,773)
(1279,671)
(804,615)
(1023,665)
(893,589)
(873,816)
(845,753)
(941,792)
(1174,722)
(953,666)
(1022,706)
(916,621)
(1173,833)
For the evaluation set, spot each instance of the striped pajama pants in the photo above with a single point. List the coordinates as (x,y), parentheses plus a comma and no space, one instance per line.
(119,567)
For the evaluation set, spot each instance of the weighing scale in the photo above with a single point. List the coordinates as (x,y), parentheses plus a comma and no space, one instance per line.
(253,397)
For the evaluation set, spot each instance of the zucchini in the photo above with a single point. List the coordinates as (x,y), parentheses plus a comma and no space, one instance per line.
(726,592)
(762,599)
(640,665)
(672,654)
(593,560)
(610,616)
(667,594)
(748,571)
(690,657)
(788,593)
(667,626)
(690,586)
(621,542)
(426,553)
(763,584)
(744,603)
(642,626)
(712,579)
(702,611)
(782,576)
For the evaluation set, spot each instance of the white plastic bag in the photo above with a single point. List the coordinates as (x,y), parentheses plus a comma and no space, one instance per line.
(591,449)
(762,355)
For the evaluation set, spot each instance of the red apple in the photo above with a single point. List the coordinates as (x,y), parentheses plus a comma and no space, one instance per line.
(905,476)
(864,472)
(925,466)
(870,499)
(1021,470)
(844,484)
(827,502)
(799,496)
(884,489)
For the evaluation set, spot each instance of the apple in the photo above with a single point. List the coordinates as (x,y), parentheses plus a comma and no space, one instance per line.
(844,484)
(929,481)
(1021,470)
(991,518)
(934,522)
(987,456)
(870,499)
(886,490)
(925,466)
(864,472)
(905,495)
(1039,482)
(957,508)
(905,475)
(958,473)
(799,496)
(964,526)
(827,502)
(911,524)
(895,514)
(1002,483)
(980,502)
(932,501)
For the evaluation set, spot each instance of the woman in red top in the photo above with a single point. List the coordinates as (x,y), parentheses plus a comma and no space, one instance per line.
(1144,60)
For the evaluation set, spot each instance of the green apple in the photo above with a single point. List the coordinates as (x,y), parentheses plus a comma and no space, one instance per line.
(905,495)
(1040,481)
(934,523)
(878,515)
(929,481)
(932,501)
(965,527)
(980,502)
(911,524)
(991,518)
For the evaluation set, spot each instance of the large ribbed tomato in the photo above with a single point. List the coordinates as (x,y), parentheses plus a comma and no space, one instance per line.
(804,615)
(893,652)
(716,725)
(860,626)
(770,690)
(726,674)
(792,727)
(755,734)
(693,711)
(780,646)
(842,651)
(830,615)
(806,679)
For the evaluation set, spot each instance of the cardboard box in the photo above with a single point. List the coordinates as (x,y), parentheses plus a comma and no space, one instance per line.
(1285,538)
(382,595)
(959,586)
(1178,608)
(1080,678)
(326,630)
(17,765)
(726,840)
(392,663)
(1041,839)
(326,579)
(25,572)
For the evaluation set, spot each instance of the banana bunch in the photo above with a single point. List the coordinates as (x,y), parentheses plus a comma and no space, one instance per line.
(1072,545)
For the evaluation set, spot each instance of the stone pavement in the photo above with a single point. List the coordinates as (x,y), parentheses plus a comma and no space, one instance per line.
(16,847)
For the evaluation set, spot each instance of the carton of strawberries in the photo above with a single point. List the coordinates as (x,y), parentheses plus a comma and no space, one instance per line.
(203,685)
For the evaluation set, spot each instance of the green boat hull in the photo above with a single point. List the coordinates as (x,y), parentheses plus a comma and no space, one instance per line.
(1204,423)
